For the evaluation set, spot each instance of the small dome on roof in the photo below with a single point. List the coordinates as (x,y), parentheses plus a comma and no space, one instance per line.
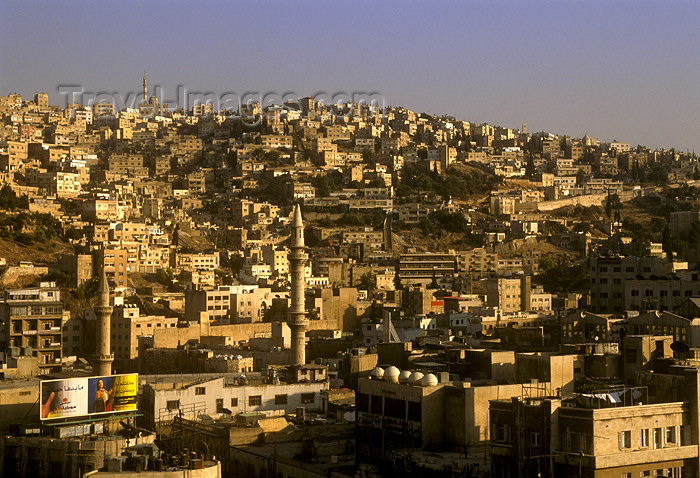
(391,374)
(377,372)
(429,380)
(415,377)
(404,375)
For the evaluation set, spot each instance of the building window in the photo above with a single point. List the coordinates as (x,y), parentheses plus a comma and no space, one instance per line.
(624,439)
(200,391)
(535,438)
(658,438)
(502,433)
(671,435)
(414,411)
(173,404)
(255,400)
(281,399)
(644,437)
(234,402)
(308,397)
(219,405)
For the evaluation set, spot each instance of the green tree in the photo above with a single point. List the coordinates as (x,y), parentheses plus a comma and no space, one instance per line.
(165,276)
(562,275)
(9,200)
(667,243)
(368,281)
(613,206)
(450,221)
(583,226)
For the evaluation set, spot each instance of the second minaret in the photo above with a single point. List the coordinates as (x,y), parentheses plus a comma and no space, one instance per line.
(298,323)
(102,362)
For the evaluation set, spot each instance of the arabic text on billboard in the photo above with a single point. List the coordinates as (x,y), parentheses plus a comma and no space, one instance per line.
(76,397)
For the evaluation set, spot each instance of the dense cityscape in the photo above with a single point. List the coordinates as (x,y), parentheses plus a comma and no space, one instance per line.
(310,289)
(349,239)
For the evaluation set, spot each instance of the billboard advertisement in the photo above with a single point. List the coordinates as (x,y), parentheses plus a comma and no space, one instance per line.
(77,397)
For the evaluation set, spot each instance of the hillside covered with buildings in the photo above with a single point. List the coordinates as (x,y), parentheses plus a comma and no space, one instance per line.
(346,290)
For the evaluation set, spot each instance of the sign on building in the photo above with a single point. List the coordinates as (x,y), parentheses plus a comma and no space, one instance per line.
(85,396)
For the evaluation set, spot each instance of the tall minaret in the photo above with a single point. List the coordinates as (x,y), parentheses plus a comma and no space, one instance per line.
(297,321)
(102,362)
(145,88)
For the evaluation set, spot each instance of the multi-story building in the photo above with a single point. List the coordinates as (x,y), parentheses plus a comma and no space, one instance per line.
(33,320)
(478,262)
(413,213)
(682,329)
(621,283)
(249,306)
(513,295)
(618,435)
(370,239)
(127,326)
(243,393)
(408,410)
(215,303)
(444,155)
(422,268)
(115,263)
(195,262)
(277,258)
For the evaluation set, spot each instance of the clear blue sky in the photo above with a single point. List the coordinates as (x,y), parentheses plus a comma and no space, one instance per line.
(626,70)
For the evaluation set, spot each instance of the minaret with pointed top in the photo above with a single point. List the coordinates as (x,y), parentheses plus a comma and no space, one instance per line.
(298,323)
(145,88)
(102,362)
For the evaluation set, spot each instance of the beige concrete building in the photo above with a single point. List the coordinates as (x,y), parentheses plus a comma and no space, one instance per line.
(33,321)
(421,268)
(558,438)
(127,326)
(680,328)
(513,295)
(416,411)
(115,263)
(195,261)
(163,401)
